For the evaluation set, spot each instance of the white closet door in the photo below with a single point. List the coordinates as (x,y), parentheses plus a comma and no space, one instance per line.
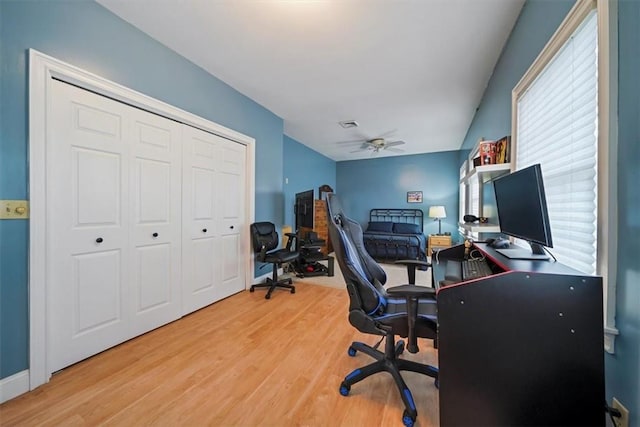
(88,298)
(213,195)
(200,206)
(113,206)
(232,202)
(155,170)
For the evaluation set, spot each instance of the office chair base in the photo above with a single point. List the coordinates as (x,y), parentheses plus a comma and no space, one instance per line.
(388,362)
(284,283)
(361,347)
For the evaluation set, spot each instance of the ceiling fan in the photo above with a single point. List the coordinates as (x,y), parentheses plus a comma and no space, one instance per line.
(376,145)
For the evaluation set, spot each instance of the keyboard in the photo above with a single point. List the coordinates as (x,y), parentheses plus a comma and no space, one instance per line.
(458,271)
(475,268)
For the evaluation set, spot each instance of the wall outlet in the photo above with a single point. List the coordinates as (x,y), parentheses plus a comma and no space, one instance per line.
(623,420)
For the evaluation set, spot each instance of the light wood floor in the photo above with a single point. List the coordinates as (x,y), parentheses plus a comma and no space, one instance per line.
(242,361)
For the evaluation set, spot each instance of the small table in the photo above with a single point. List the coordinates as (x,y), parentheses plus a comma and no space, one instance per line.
(438,241)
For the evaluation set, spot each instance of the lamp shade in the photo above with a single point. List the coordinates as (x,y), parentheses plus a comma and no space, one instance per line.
(437,212)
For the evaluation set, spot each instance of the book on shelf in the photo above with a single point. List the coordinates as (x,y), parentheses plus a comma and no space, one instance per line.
(487,153)
(503,149)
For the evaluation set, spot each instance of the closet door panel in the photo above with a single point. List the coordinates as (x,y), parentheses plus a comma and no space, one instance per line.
(153,277)
(96,290)
(155,217)
(87,225)
(203,203)
(96,187)
(204,277)
(234,229)
(201,242)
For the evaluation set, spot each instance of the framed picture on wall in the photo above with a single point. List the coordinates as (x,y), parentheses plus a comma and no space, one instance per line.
(414,197)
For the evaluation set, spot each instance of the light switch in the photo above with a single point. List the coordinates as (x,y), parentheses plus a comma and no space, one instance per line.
(14,209)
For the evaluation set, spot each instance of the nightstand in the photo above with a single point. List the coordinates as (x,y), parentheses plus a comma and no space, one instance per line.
(437,241)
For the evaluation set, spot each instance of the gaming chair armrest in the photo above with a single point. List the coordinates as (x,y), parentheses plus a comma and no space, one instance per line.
(413,261)
(364,323)
(412,293)
(411,265)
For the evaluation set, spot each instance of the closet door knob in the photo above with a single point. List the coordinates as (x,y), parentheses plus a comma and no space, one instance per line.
(99,240)
(155,234)
(204,230)
(231,227)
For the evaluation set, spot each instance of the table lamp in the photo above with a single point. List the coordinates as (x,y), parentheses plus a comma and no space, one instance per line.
(438,212)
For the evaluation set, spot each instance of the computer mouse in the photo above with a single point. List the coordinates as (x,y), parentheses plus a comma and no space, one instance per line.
(490,241)
(500,244)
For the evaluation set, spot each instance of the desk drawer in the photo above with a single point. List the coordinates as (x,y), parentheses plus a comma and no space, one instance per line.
(438,242)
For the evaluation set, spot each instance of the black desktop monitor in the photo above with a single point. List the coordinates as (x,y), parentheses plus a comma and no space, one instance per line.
(522,212)
(304,209)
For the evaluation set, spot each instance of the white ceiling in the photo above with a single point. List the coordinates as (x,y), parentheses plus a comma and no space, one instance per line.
(411,70)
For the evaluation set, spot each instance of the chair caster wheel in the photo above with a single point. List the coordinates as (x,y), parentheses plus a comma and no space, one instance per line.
(399,348)
(251,289)
(407,419)
(351,351)
(344,389)
(293,291)
(267,296)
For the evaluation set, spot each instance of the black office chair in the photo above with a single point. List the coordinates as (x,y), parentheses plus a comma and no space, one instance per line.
(265,238)
(407,310)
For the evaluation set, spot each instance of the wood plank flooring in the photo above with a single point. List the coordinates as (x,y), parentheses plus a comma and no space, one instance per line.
(243,361)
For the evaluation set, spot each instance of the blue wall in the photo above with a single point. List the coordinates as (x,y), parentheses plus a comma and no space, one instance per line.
(623,368)
(305,169)
(384,182)
(537,22)
(85,34)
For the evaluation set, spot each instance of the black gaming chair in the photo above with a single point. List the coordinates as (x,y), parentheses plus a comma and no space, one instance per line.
(407,310)
(265,239)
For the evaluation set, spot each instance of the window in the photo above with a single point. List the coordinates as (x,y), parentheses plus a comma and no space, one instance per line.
(557,127)
(561,120)
(469,198)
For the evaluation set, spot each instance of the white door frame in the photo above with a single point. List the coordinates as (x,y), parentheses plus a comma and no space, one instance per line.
(42,69)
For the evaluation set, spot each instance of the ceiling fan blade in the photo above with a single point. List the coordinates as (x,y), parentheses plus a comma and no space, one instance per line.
(395,150)
(359,150)
(353,141)
(394,143)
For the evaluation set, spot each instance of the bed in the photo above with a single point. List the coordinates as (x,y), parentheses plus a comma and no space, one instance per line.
(394,234)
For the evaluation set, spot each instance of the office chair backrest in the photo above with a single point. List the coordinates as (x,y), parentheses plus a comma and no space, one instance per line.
(264,237)
(363,276)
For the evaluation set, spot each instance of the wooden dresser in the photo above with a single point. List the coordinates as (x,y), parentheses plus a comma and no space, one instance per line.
(320,225)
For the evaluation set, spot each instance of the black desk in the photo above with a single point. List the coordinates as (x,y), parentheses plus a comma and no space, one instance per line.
(524,346)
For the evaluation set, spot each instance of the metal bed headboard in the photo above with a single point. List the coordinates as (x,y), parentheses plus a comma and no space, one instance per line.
(409,216)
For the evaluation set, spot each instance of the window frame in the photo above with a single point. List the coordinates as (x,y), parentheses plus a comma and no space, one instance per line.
(607,138)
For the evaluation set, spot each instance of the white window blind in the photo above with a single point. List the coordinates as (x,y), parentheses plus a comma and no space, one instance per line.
(474,196)
(462,199)
(557,124)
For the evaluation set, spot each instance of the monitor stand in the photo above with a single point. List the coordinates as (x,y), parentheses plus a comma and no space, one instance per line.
(537,252)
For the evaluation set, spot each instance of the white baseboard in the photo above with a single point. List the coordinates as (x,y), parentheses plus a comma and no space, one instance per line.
(14,386)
